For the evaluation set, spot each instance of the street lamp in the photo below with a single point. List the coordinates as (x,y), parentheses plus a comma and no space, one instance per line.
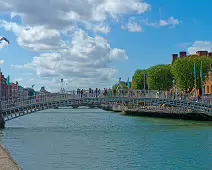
(173,83)
(62,86)
(174,90)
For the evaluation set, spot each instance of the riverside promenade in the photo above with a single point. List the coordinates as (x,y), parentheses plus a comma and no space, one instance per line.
(6,160)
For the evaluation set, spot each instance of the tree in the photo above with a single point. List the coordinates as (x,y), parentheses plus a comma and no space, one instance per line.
(138,80)
(183,71)
(120,86)
(30,92)
(160,77)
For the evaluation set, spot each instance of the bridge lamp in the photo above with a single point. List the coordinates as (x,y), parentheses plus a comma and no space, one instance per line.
(62,86)
(174,88)
(173,81)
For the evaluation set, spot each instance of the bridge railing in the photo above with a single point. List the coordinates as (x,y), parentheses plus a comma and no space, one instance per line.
(42,98)
(119,93)
(16,102)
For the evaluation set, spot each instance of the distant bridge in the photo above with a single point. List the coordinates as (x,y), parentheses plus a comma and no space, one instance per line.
(19,107)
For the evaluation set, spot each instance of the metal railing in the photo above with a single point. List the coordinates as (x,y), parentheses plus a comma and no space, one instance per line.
(42,98)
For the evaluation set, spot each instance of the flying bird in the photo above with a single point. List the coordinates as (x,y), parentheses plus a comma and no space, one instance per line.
(3,38)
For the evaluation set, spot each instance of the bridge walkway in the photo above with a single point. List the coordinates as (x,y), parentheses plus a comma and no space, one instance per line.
(22,107)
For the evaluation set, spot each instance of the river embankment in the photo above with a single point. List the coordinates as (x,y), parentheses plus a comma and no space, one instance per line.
(159,112)
(6,160)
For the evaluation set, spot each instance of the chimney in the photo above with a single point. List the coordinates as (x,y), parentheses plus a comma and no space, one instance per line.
(174,57)
(202,53)
(183,54)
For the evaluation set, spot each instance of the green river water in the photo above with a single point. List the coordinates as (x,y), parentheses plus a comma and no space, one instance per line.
(78,139)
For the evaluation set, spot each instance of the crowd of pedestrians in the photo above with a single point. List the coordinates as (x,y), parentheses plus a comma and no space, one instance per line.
(90,93)
(110,93)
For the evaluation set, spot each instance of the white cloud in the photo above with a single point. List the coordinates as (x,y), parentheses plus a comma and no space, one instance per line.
(56,31)
(100,27)
(1,62)
(86,58)
(35,38)
(26,74)
(118,54)
(120,7)
(132,26)
(200,46)
(171,21)
(4,6)
(60,14)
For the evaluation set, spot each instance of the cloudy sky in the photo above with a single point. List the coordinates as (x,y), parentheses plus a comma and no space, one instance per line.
(91,43)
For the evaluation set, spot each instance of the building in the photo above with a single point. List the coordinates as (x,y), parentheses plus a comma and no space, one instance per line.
(4,90)
(10,90)
(184,54)
(14,91)
(23,92)
(43,90)
(208,83)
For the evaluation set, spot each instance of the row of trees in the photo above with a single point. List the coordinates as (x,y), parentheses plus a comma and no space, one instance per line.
(181,72)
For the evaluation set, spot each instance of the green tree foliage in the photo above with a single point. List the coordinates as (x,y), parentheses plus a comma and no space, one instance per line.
(119,86)
(183,71)
(138,80)
(30,92)
(160,77)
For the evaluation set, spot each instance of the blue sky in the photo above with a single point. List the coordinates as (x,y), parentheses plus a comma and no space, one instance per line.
(159,37)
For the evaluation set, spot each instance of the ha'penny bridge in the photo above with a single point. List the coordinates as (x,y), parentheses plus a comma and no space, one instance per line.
(150,103)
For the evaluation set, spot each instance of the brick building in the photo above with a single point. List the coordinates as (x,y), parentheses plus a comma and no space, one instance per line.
(14,90)
(184,54)
(4,91)
(10,90)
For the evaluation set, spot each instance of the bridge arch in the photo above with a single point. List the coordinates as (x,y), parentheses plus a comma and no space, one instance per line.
(23,107)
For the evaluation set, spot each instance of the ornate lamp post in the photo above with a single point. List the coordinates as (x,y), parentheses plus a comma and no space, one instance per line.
(174,89)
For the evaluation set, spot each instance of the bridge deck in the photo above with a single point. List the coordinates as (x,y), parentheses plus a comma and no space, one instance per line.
(23,107)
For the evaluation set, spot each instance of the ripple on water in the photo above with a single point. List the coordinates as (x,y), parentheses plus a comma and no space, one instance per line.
(95,139)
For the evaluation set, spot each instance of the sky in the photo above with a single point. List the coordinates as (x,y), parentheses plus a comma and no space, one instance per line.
(91,43)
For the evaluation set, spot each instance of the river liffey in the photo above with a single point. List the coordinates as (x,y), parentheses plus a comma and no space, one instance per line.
(78,139)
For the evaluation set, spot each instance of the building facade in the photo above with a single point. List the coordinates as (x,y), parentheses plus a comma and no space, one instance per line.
(14,90)
(10,90)
(208,84)
(4,89)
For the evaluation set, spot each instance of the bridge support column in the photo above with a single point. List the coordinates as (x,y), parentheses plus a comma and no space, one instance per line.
(2,122)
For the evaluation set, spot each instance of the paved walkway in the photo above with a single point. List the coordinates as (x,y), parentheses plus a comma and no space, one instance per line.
(6,160)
